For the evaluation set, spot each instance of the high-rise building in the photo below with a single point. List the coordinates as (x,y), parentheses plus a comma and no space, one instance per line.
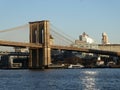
(85,42)
(105,38)
(85,37)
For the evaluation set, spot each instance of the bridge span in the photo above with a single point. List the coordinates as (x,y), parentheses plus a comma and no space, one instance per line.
(56,47)
(40,47)
(19,44)
(110,47)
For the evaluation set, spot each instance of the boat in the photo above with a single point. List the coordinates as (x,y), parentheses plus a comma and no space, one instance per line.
(75,66)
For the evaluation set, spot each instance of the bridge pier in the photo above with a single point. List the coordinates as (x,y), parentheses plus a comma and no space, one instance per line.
(40,34)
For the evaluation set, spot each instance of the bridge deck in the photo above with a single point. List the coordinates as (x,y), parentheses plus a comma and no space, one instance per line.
(19,44)
(104,52)
(32,45)
(70,48)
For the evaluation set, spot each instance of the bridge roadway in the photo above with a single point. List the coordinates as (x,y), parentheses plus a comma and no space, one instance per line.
(19,44)
(103,52)
(32,45)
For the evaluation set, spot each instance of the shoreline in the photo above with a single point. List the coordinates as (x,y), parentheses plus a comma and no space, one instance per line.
(58,68)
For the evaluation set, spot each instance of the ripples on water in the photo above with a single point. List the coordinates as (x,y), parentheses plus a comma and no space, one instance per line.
(60,79)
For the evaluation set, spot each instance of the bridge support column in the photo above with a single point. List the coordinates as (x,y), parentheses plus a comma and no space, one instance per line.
(40,34)
(46,45)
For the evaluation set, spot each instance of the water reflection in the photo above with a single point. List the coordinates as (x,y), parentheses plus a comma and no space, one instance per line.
(90,72)
(60,79)
(89,80)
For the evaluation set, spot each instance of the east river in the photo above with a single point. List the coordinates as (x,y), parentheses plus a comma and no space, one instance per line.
(60,79)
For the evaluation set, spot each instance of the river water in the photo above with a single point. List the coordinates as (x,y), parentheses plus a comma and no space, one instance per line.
(60,79)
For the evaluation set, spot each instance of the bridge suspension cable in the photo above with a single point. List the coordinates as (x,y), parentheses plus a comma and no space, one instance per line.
(15,28)
(19,33)
(61,32)
(60,37)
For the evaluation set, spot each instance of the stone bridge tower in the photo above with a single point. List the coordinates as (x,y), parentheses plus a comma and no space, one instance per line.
(40,34)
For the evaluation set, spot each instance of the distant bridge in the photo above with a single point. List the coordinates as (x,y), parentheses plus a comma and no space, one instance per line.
(68,48)
(40,45)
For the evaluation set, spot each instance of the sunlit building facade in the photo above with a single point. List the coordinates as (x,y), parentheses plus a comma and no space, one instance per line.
(105,38)
(85,42)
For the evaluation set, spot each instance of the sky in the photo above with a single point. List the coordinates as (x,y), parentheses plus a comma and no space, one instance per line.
(72,16)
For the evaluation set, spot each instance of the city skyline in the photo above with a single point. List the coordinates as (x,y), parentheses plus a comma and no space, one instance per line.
(91,16)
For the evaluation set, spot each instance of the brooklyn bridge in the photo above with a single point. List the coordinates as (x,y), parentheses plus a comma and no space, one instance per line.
(40,44)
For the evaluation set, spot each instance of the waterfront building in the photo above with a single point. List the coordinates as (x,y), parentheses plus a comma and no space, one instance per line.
(85,38)
(105,38)
(18,49)
(14,60)
(85,42)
